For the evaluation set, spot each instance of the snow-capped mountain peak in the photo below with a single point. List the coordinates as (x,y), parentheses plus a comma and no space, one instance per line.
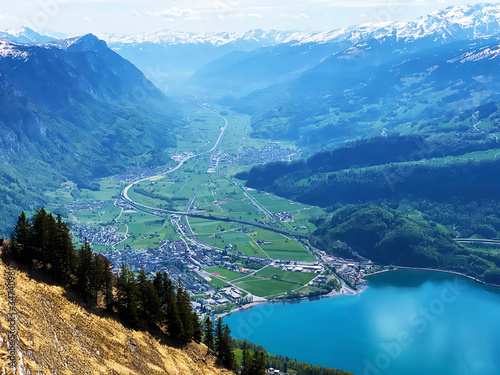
(462,22)
(24,35)
(167,37)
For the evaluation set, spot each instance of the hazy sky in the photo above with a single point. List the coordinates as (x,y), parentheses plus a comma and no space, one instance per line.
(135,16)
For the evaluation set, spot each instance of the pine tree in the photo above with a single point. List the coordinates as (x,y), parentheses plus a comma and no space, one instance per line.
(228,359)
(185,313)
(208,338)
(174,323)
(246,361)
(197,332)
(39,234)
(127,297)
(108,285)
(96,279)
(21,240)
(224,345)
(64,260)
(219,345)
(163,286)
(83,269)
(150,302)
(160,288)
(258,364)
(50,250)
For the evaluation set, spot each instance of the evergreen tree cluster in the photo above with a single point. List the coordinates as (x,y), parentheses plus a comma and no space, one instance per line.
(253,364)
(219,340)
(255,360)
(44,241)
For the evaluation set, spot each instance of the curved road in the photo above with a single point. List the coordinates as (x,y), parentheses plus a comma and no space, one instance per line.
(181,163)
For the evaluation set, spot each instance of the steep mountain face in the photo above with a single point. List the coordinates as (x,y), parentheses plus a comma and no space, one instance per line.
(74,109)
(56,334)
(82,70)
(168,57)
(287,61)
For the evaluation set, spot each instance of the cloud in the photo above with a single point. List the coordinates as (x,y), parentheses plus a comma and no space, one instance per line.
(288,15)
(244,15)
(176,12)
(367,3)
(8,17)
(134,14)
(87,20)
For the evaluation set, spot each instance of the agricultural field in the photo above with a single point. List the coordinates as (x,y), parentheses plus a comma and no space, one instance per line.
(219,196)
(97,217)
(109,190)
(272,281)
(223,273)
(265,287)
(145,230)
(302,214)
(239,242)
(300,278)
(259,243)
(278,246)
(217,283)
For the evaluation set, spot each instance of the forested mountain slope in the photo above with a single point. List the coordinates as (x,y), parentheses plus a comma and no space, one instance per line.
(74,110)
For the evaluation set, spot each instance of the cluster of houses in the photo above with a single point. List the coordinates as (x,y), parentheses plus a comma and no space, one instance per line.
(139,174)
(182,156)
(272,371)
(102,236)
(214,161)
(354,271)
(265,154)
(303,267)
(285,217)
(88,206)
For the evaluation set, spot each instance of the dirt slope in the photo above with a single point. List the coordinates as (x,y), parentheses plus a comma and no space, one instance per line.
(57,336)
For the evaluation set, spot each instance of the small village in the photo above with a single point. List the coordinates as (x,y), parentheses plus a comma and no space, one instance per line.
(267,154)
(102,236)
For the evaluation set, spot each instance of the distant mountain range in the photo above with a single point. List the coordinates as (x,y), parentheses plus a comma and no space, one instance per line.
(376,85)
(288,61)
(24,35)
(170,58)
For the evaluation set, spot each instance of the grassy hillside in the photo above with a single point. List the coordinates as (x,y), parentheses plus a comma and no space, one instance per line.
(387,168)
(343,99)
(75,114)
(392,238)
(57,335)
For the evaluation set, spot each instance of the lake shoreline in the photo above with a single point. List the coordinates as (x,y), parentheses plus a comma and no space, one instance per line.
(396,304)
(402,268)
(346,291)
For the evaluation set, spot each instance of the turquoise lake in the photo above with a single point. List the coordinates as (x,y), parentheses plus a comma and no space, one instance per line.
(403,323)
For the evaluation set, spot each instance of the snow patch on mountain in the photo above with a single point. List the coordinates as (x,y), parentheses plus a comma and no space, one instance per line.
(482,54)
(11,50)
